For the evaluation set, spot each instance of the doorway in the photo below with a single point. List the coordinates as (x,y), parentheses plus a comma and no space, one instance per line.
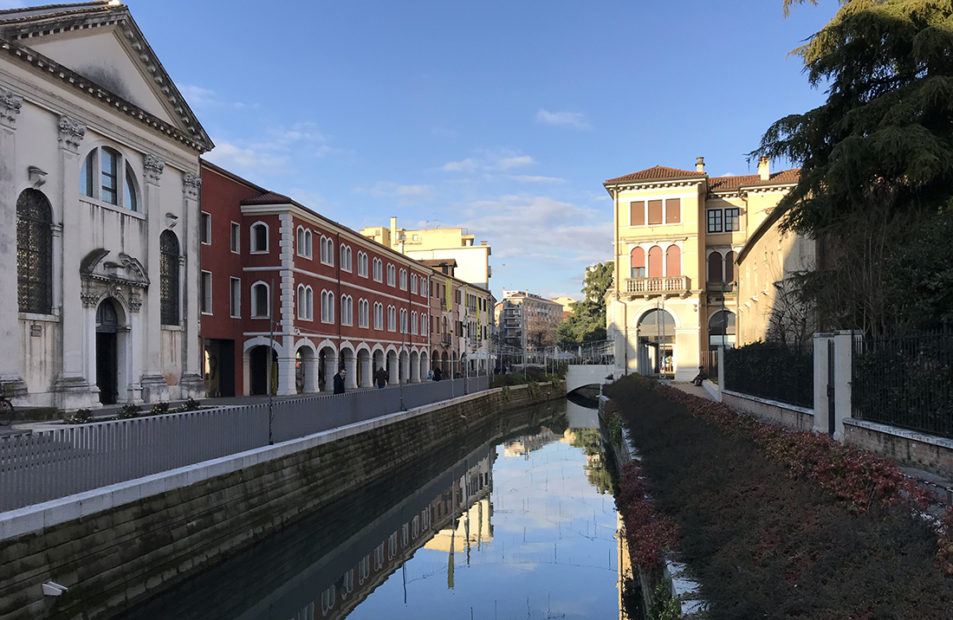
(107,357)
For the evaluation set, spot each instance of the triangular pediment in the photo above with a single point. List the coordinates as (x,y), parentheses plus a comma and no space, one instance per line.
(101,44)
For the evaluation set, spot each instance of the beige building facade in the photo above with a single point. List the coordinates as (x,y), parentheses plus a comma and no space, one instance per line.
(433,244)
(679,289)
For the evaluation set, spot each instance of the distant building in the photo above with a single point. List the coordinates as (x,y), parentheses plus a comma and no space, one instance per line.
(526,320)
(681,239)
(472,260)
(566,302)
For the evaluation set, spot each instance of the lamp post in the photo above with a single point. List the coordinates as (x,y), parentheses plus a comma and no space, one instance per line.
(271,344)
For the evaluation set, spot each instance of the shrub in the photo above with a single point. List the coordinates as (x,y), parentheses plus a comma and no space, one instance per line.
(160,408)
(191,405)
(81,416)
(128,411)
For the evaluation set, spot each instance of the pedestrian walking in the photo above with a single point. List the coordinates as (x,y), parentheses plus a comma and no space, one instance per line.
(380,377)
(339,381)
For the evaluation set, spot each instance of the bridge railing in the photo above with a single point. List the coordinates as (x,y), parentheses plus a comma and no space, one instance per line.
(48,464)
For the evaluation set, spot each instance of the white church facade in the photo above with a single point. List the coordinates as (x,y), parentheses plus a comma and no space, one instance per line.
(99,214)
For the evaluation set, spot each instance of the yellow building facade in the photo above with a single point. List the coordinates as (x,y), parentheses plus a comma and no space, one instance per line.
(677,289)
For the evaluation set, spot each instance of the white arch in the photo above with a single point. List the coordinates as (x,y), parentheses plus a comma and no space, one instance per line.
(263,341)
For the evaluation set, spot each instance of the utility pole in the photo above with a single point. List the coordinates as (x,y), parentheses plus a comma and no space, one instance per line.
(271,352)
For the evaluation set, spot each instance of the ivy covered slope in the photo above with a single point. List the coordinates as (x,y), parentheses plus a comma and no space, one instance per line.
(876,161)
(775,525)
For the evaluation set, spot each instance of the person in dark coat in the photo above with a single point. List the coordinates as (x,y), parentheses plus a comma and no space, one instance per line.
(437,374)
(339,381)
(380,377)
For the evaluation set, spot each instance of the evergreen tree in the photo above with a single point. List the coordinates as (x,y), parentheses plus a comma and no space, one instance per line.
(587,323)
(876,159)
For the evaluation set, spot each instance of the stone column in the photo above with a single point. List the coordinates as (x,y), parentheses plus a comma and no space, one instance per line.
(330,369)
(843,365)
(76,386)
(351,379)
(11,371)
(286,374)
(392,375)
(151,382)
(822,411)
(191,377)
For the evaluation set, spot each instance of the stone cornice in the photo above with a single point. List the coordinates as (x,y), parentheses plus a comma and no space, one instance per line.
(198,141)
(655,184)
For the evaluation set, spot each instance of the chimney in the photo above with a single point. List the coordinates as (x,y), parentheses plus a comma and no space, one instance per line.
(700,164)
(393,232)
(764,168)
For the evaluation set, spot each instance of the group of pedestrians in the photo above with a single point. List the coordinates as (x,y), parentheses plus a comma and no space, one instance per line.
(380,378)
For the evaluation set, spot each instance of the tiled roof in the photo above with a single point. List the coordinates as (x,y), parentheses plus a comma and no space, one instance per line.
(657,173)
(732,183)
(268,198)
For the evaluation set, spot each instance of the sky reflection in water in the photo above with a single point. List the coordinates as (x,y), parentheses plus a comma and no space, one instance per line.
(551,553)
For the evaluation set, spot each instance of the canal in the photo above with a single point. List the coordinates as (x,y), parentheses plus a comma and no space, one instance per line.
(515,521)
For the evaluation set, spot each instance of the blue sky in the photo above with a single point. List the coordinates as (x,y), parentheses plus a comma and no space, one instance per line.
(500,117)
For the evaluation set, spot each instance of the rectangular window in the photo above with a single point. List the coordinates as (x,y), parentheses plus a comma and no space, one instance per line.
(655,212)
(235,242)
(235,298)
(206,292)
(637,213)
(732,219)
(673,210)
(714,220)
(206,228)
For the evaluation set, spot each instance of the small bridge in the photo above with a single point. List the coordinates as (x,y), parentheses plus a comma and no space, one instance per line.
(580,375)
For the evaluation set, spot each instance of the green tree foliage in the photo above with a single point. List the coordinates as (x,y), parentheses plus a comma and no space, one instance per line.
(876,159)
(587,323)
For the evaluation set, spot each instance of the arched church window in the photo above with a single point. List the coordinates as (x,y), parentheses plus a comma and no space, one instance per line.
(34,253)
(169,278)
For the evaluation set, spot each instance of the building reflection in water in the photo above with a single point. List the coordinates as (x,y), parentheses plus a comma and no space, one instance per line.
(453,521)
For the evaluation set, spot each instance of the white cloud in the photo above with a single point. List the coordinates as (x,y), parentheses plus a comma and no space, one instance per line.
(404,194)
(278,151)
(562,119)
(490,161)
(466,165)
(236,158)
(540,228)
(201,97)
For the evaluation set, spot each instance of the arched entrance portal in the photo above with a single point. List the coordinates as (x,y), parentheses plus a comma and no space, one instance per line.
(107,351)
(656,343)
(258,359)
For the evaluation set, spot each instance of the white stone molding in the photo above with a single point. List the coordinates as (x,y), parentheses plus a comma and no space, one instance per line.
(71,133)
(10,104)
(154,166)
(191,184)
(126,280)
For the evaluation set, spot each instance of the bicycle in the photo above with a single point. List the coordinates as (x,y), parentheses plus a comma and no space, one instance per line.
(6,411)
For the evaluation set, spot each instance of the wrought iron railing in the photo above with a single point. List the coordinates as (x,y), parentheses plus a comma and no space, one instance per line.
(905,381)
(774,371)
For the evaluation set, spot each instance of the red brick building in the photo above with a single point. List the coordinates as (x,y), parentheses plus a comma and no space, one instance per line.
(280,281)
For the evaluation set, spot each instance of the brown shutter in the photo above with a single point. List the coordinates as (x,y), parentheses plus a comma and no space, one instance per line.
(673,261)
(655,262)
(673,211)
(637,213)
(655,212)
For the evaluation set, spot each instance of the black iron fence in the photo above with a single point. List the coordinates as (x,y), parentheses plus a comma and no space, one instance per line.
(774,371)
(905,381)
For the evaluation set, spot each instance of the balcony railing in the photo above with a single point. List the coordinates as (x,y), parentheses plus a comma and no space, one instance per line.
(667,285)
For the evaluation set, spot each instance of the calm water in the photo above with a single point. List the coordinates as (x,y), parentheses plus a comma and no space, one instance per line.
(507,525)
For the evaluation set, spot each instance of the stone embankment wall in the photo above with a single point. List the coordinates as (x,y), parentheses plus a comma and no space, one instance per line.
(115,558)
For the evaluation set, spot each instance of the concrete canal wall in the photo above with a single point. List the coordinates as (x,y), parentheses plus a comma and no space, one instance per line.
(116,546)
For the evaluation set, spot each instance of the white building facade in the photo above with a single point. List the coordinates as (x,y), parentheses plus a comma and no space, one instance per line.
(99,215)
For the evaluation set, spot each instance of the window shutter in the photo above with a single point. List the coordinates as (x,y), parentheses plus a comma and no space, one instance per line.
(637,213)
(655,212)
(673,211)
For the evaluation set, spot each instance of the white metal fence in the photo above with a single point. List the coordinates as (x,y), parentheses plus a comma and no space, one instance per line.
(44,465)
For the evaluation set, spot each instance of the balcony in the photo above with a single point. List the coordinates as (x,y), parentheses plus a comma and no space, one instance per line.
(649,287)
